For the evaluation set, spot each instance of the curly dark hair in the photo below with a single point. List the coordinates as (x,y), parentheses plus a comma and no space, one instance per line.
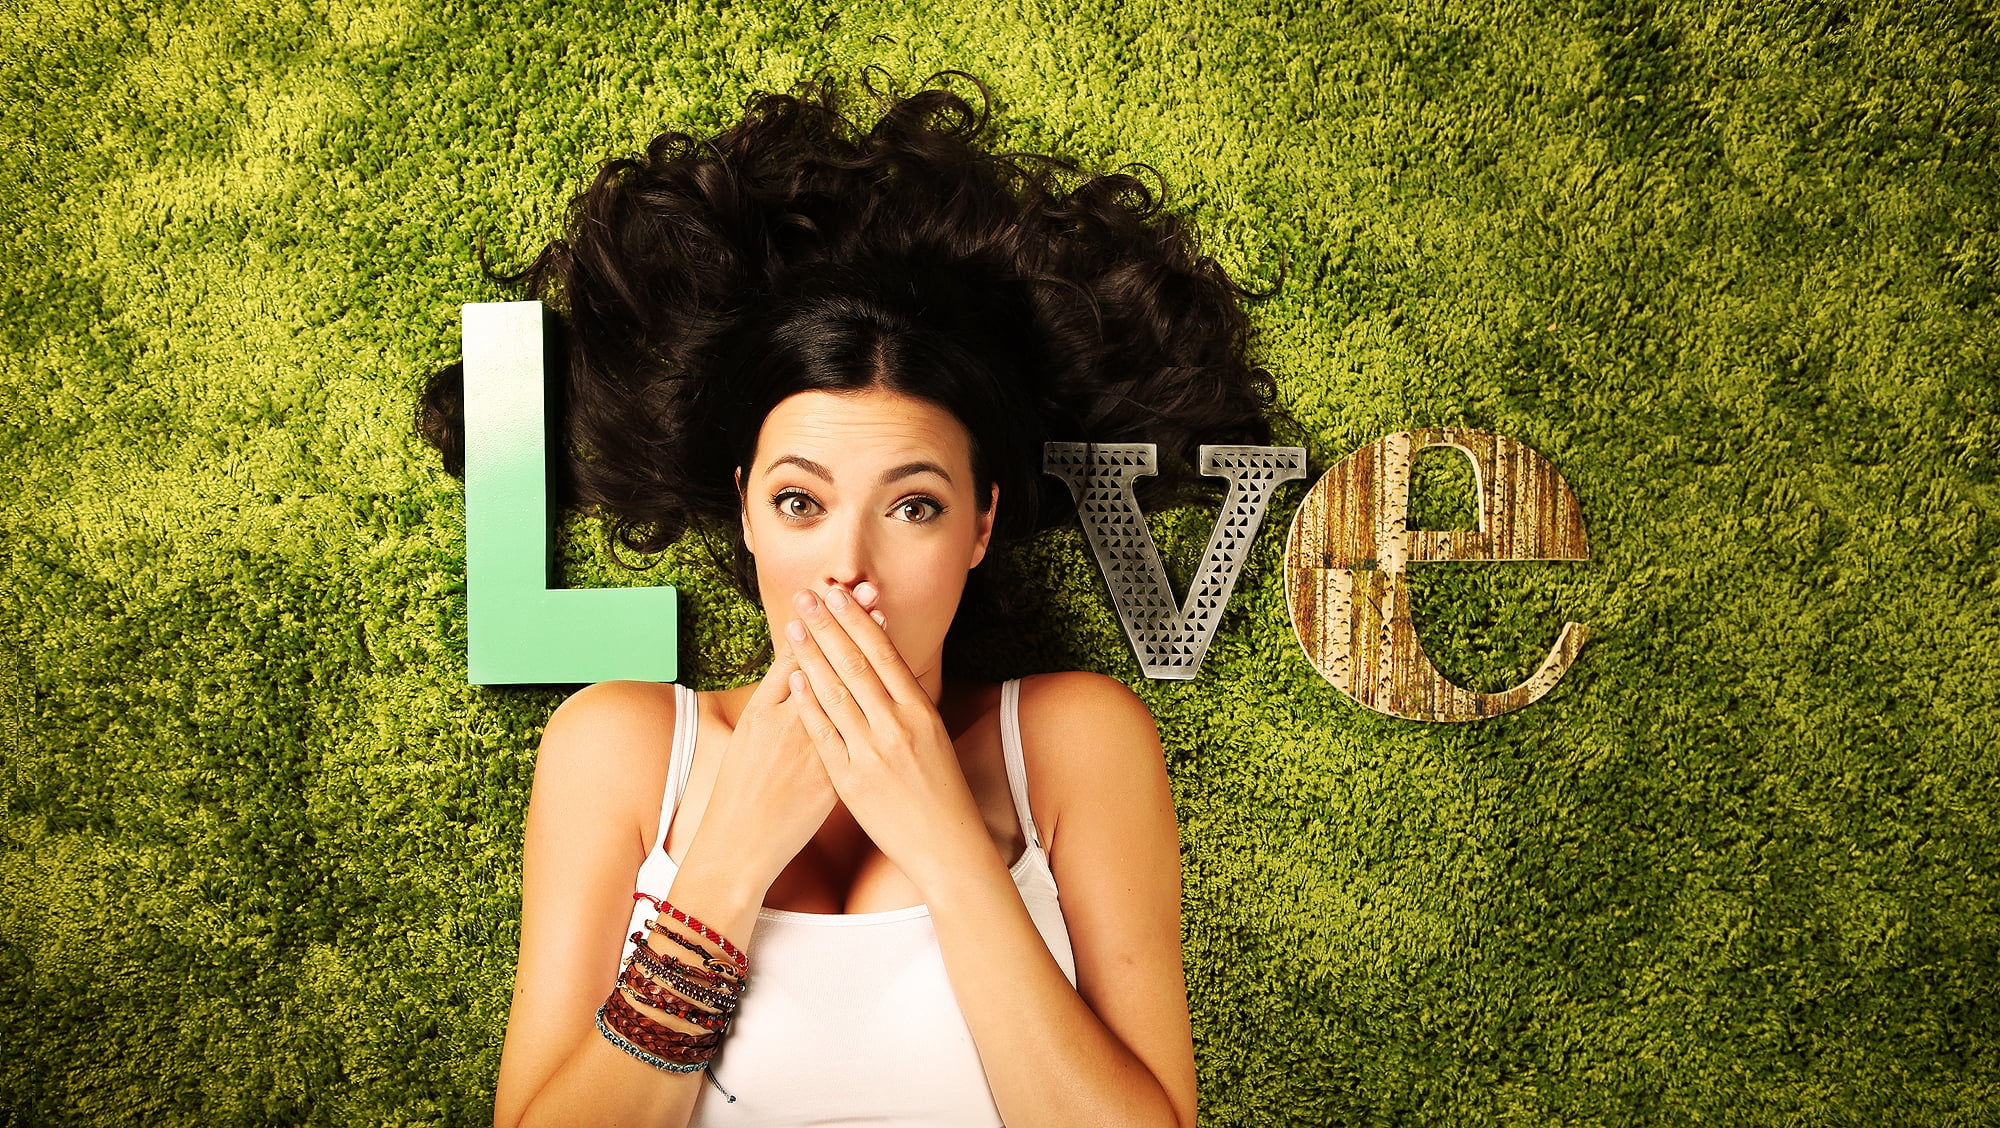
(699,285)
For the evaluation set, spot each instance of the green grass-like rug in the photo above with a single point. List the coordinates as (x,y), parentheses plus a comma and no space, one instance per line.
(1730,268)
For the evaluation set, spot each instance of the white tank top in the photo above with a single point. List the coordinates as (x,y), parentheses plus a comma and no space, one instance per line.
(850,1018)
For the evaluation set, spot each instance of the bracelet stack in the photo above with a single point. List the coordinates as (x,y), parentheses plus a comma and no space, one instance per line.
(703,992)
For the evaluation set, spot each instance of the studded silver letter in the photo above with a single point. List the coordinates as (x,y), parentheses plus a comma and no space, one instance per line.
(1169,641)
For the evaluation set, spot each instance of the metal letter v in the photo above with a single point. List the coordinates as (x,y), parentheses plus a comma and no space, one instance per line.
(1169,640)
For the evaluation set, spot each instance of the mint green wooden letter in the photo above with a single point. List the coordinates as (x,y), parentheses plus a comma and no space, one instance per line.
(520,627)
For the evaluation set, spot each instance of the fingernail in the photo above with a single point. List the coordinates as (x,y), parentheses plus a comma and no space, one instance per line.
(796,631)
(837,599)
(803,601)
(880,621)
(866,591)
(797,681)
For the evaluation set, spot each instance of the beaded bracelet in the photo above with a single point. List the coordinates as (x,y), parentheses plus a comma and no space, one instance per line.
(663,964)
(696,983)
(742,961)
(651,994)
(640,969)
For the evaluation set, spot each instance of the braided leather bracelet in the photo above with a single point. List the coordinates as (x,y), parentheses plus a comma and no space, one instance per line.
(618,1040)
(651,1036)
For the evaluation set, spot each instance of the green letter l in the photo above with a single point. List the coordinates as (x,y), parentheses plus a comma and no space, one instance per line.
(520,627)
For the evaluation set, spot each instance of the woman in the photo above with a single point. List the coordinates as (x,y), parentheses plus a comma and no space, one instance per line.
(834,890)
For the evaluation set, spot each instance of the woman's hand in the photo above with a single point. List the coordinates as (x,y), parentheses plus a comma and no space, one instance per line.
(883,744)
(772,793)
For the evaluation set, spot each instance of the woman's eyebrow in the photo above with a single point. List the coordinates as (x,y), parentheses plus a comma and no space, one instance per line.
(893,474)
(803,463)
(910,469)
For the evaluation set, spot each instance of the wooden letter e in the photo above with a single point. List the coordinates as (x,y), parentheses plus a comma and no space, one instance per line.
(1348,557)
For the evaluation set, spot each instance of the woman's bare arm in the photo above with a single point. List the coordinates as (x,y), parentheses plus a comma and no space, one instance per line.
(1117,1049)
(600,756)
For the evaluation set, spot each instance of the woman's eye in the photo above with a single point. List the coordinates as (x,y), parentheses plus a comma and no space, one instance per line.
(795,505)
(917,510)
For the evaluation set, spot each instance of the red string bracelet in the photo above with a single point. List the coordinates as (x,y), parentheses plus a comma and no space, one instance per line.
(728,949)
(712,965)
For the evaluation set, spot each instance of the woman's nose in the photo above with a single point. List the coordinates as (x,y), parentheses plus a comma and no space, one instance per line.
(848,560)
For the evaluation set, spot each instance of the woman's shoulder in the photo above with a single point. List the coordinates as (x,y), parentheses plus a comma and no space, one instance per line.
(604,758)
(1081,697)
(611,731)
(617,710)
(1084,735)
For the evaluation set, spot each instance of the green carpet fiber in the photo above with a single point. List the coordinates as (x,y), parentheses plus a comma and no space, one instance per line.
(1730,267)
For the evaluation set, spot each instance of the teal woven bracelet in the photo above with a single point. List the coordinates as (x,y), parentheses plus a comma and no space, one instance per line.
(653,1060)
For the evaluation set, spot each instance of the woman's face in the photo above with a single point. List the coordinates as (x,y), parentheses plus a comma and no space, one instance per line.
(866,486)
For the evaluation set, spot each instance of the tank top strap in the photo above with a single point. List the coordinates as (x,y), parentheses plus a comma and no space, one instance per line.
(1010,746)
(686,717)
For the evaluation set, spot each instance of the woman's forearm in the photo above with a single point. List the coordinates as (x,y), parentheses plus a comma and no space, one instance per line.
(599,1083)
(1049,1059)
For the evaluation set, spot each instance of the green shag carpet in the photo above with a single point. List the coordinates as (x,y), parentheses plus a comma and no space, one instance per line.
(1730,267)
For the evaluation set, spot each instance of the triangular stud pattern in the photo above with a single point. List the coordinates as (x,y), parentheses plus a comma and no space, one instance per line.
(1170,639)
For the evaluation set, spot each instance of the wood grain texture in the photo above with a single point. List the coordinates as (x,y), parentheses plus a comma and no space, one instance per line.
(1350,549)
